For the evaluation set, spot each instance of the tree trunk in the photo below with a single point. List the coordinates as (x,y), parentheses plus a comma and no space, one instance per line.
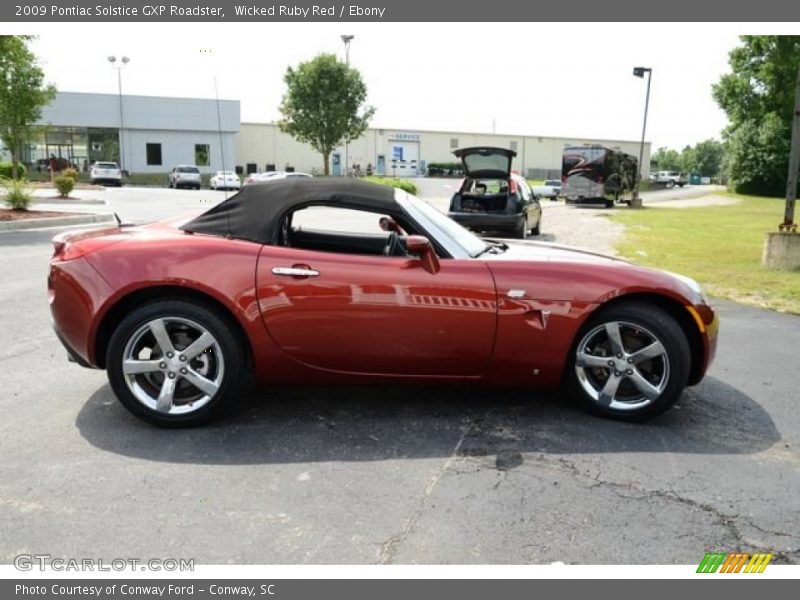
(326,161)
(14,169)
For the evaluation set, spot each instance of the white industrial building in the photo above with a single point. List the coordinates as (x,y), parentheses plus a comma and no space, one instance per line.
(145,134)
(407,152)
(150,134)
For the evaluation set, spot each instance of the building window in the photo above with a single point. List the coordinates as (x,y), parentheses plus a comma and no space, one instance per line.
(201,155)
(154,154)
(454,142)
(513,146)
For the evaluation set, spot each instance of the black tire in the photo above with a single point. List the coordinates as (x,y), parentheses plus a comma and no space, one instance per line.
(641,319)
(538,229)
(609,204)
(225,361)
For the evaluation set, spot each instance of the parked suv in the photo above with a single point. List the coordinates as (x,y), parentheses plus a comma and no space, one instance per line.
(670,179)
(491,197)
(105,172)
(185,176)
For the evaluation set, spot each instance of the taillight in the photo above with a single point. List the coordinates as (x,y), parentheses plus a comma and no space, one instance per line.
(563,179)
(513,186)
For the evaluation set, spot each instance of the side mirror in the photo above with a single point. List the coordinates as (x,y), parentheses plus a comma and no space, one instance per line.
(420,246)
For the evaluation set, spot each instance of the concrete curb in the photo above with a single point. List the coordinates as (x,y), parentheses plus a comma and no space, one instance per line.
(56,222)
(71,202)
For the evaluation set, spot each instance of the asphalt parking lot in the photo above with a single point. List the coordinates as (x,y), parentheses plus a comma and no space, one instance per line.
(385,474)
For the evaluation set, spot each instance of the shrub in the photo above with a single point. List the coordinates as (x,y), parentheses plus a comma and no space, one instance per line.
(64,185)
(403,184)
(18,193)
(71,173)
(6,170)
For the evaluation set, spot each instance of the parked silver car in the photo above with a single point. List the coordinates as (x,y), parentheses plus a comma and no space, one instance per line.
(185,176)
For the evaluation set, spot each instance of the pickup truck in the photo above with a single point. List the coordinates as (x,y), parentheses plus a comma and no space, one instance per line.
(551,188)
(669,179)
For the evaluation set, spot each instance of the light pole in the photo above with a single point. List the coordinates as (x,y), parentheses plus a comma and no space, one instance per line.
(346,39)
(119,66)
(639,72)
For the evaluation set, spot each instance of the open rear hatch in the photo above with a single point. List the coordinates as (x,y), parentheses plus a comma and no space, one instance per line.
(486,162)
(488,183)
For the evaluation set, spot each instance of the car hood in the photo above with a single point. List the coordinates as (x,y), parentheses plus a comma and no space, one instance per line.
(544,251)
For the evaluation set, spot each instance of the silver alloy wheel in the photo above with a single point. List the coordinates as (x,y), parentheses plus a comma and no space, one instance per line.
(173,365)
(622,365)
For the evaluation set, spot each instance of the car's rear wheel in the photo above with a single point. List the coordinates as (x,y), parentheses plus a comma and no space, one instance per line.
(176,363)
(631,362)
(522,229)
(538,229)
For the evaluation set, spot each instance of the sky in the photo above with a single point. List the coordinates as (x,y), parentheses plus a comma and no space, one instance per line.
(550,79)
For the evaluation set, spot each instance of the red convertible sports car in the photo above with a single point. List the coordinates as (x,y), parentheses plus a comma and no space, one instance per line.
(321,281)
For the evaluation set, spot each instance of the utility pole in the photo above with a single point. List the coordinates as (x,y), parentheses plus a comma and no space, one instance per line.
(782,247)
(346,39)
(794,165)
(639,72)
(123,61)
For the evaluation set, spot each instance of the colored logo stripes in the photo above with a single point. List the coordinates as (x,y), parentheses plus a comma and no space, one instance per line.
(725,562)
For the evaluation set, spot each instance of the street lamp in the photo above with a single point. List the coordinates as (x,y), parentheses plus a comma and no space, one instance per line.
(119,66)
(346,39)
(639,72)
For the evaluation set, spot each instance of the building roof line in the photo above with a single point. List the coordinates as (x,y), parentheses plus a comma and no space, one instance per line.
(577,140)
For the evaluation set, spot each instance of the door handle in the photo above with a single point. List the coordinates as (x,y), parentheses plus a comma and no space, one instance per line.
(299,271)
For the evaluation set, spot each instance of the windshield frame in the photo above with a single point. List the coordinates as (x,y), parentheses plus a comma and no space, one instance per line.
(457,240)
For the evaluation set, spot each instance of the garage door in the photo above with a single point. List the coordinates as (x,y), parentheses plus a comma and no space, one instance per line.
(404,159)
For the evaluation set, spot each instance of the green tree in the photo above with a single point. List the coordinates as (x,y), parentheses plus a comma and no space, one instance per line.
(704,158)
(666,159)
(22,93)
(324,104)
(758,97)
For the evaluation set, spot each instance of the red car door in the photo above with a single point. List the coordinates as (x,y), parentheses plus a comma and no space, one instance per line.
(378,314)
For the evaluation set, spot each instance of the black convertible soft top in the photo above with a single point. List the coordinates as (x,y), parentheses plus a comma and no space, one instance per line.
(255,213)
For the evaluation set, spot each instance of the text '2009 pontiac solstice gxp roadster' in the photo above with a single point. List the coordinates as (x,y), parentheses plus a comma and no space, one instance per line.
(329,281)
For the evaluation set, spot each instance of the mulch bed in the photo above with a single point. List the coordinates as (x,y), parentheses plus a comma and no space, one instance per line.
(19,215)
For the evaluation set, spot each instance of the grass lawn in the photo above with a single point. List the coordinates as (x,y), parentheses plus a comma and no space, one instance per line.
(719,246)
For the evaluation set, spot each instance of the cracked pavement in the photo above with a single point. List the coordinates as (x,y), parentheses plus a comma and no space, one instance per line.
(395,475)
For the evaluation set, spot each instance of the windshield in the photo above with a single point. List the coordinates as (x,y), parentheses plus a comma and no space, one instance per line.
(460,242)
(553,182)
(106,165)
(188,170)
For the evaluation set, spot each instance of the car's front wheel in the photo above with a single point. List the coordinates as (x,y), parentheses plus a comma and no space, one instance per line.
(630,362)
(176,363)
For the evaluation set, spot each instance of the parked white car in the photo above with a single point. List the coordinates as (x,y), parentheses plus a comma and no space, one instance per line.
(186,176)
(551,188)
(225,180)
(105,172)
(270,175)
(669,179)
